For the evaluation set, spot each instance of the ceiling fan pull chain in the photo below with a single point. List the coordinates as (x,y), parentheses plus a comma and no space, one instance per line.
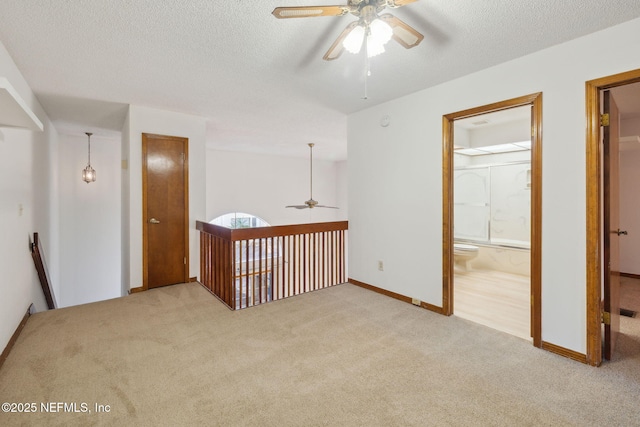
(367,73)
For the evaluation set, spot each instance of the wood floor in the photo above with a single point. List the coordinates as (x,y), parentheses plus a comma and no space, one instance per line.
(495,299)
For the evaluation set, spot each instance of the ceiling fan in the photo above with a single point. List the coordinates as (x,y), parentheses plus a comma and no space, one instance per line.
(371,30)
(310,204)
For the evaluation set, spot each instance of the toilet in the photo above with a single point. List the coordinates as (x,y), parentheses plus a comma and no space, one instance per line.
(462,254)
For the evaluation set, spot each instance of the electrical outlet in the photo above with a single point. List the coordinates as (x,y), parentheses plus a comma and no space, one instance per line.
(380,266)
(416,301)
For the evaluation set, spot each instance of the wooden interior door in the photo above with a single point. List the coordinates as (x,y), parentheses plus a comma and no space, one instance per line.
(165,210)
(611,225)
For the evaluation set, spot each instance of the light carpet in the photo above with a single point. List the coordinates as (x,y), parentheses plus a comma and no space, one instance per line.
(342,356)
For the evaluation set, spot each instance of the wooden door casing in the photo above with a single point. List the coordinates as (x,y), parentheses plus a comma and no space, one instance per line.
(535,101)
(594,214)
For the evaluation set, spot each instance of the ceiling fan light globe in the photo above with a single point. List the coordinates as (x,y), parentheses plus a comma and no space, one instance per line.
(353,42)
(380,31)
(374,48)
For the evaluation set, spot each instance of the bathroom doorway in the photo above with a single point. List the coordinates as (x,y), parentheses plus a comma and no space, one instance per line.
(491,242)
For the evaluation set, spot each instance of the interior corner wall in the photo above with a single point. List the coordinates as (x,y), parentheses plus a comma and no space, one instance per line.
(262,185)
(148,120)
(395,175)
(342,189)
(125,271)
(27,171)
(90,221)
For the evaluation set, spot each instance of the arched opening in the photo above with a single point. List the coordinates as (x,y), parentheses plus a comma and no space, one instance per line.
(239,220)
(255,260)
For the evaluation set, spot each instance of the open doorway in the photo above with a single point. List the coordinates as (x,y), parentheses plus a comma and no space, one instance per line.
(492,220)
(509,244)
(613,232)
(627,98)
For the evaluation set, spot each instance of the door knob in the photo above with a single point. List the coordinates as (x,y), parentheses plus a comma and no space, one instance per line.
(621,232)
(154,221)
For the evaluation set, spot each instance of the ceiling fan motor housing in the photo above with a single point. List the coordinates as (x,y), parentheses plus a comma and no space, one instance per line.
(367,9)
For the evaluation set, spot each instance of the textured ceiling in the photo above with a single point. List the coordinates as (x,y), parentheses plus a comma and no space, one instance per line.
(260,81)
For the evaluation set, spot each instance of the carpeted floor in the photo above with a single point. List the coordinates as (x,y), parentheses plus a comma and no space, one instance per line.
(630,294)
(342,356)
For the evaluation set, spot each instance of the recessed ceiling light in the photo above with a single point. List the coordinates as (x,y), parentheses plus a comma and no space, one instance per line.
(495,149)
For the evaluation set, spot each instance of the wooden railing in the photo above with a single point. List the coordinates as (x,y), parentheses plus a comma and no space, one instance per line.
(250,266)
(43,274)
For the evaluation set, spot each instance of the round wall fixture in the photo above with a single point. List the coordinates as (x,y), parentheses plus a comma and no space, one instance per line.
(384,121)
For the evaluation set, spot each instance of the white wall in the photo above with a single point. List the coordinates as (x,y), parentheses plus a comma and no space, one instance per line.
(630,126)
(263,185)
(89,221)
(148,120)
(504,133)
(630,201)
(27,181)
(342,190)
(395,175)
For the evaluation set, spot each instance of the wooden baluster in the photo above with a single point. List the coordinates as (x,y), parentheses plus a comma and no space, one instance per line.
(305,270)
(216,261)
(330,263)
(246,273)
(337,264)
(289,265)
(230,273)
(251,268)
(204,254)
(285,264)
(234,275)
(339,280)
(294,265)
(223,264)
(259,275)
(343,257)
(314,263)
(272,273)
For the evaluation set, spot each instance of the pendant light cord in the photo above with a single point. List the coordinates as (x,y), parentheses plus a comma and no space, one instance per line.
(89,150)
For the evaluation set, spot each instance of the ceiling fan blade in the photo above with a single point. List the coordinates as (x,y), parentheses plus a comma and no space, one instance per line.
(337,48)
(403,33)
(298,206)
(329,207)
(309,11)
(398,3)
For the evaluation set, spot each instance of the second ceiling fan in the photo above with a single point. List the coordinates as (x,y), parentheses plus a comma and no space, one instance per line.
(310,204)
(371,30)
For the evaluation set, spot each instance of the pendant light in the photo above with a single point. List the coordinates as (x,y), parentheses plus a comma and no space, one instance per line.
(88,173)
